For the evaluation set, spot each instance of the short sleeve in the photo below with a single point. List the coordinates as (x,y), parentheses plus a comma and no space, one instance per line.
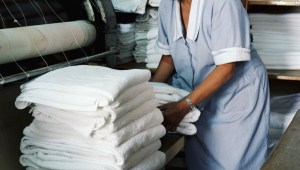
(162,43)
(230,32)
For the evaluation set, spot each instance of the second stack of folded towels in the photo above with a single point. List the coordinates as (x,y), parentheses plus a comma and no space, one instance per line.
(166,93)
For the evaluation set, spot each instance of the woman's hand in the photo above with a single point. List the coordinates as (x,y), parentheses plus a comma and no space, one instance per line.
(173,114)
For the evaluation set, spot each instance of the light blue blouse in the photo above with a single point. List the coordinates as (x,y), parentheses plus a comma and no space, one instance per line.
(233,126)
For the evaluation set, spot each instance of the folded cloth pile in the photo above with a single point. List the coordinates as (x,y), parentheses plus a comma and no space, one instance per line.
(117,125)
(282,111)
(146,33)
(276,39)
(166,93)
(126,42)
(132,6)
(154,3)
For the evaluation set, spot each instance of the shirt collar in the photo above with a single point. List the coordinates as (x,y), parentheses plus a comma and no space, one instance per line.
(194,20)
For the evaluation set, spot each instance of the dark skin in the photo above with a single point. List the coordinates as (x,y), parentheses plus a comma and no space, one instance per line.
(174,112)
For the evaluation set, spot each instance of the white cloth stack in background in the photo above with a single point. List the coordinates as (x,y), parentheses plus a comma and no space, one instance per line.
(132,6)
(276,39)
(166,93)
(146,33)
(154,3)
(126,42)
(117,125)
(282,111)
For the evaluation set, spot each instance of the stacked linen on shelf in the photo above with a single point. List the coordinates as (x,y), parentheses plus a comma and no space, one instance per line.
(146,33)
(276,39)
(154,3)
(97,118)
(126,42)
(166,93)
(132,6)
(282,111)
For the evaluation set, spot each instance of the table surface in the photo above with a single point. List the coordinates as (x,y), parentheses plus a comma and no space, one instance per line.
(286,154)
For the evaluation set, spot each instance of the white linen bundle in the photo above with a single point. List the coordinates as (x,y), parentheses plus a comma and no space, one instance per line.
(146,33)
(91,117)
(166,93)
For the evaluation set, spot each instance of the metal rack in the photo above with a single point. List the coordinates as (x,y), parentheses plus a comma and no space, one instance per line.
(108,54)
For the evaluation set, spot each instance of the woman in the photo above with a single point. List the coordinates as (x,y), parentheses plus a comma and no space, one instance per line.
(206,50)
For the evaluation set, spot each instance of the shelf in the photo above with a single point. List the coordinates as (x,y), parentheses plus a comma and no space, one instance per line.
(284,74)
(275,2)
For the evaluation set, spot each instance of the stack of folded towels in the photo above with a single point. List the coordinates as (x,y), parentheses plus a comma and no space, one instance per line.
(154,3)
(126,42)
(92,117)
(276,39)
(146,33)
(166,93)
(132,6)
(282,111)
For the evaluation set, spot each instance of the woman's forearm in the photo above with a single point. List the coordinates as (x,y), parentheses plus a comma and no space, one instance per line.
(165,69)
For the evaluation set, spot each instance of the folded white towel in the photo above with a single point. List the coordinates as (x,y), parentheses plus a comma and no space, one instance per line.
(154,3)
(41,157)
(56,130)
(152,65)
(82,122)
(186,128)
(149,120)
(133,6)
(154,161)
(125,28)
(115,113)
(103,82)
(149,13)
(119,154)
(153,58)
(139,111)
(166,93)
(152,33)
(165,88)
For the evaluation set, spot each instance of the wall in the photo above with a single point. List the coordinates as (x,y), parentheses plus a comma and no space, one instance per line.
(12,123)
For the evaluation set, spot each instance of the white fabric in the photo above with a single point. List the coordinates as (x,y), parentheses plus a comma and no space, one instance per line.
(74,101)
(125,28)
(132,6)
(56,138)
(39,157)
(116,132)
(131,115)
(146,34)
(82,122)
(166,93)
(275,37)
(154,58)
(152,65)
(147,121)
(280,59)
(154,161)
(56,130)
(283,109)
(149,13)
(100,85)
(154,3)
(186,128)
